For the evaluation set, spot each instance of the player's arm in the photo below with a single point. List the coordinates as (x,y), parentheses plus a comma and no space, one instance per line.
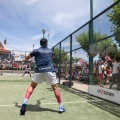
(27,58)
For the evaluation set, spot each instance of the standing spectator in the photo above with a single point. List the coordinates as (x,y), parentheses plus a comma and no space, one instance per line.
(100,73)
(108,60)
(104,69)
(118,78)
(86,75)
(115,78)
(76,75)
(109,72)
(95,74)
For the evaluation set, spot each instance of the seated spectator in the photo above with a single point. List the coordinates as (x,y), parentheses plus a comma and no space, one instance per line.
(67,76)
(86,76)
(76,76)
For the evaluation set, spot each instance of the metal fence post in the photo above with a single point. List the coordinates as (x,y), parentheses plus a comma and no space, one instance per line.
(59,70)
(91,42)
(70,80)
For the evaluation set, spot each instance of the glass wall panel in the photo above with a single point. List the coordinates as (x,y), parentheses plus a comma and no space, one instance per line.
(79,37)
(97,10)
(65,68)
(103,26)
(106,58)
(79,59)
(65,45)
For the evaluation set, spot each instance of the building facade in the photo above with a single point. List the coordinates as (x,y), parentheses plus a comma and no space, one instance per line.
(4,54)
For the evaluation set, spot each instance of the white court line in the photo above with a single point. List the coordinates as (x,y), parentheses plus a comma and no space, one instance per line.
(73,102)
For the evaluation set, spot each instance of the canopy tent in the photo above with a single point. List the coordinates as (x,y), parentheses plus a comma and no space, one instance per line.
(80,63)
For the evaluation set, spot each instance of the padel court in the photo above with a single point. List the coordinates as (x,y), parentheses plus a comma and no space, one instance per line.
(43,105)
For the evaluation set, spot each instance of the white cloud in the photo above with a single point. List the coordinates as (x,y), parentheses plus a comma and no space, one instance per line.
(22,21)
(36,37)
(30,2)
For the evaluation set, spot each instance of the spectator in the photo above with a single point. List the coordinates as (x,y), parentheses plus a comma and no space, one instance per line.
(76,77)
(118,78)
(115,73)
(109,73)
(100,73)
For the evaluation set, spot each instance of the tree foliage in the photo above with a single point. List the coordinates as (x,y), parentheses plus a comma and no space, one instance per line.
(75,59)
(115,19)
(101,47)
(64,56)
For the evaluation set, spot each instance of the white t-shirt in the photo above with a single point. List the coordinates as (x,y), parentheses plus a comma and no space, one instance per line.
(115,65)
(100,69)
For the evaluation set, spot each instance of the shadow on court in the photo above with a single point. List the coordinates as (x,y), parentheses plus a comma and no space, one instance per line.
(108,106)
(50,89)
(36,107)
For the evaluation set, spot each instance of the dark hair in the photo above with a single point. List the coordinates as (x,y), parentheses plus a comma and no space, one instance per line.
(43,42)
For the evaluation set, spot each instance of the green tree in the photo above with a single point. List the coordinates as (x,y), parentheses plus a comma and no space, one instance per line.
(98,47)
(117,55)
(75,59)
(115,19)
(64,56)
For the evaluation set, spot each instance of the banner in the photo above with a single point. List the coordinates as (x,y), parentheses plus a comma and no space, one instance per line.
(105,93)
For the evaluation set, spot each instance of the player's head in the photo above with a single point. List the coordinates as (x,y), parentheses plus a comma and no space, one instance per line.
(43,42)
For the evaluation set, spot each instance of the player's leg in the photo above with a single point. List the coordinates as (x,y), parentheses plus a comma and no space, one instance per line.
(29,91)
(51,80)
(30,74)
(118,81)
(23,74)
(57,93)
(113,80)
(58,97)
(37,78)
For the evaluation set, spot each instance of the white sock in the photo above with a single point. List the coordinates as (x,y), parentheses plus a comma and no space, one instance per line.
(25,100)
(60,104)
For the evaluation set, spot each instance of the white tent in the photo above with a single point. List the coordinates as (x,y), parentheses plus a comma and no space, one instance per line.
(80,63)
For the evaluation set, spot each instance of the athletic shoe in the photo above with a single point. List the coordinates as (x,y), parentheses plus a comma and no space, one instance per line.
(61,109)
(23,109)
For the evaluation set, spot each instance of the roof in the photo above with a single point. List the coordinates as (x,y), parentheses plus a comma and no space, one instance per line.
(1,46)
(4,51)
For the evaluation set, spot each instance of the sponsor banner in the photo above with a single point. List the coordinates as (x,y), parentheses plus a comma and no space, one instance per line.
(105,93)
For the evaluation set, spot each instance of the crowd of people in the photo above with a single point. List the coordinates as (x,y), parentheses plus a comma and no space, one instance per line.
(8,65)
(105,71)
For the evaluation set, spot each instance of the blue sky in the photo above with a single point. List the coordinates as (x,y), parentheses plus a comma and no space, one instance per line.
(22,21)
